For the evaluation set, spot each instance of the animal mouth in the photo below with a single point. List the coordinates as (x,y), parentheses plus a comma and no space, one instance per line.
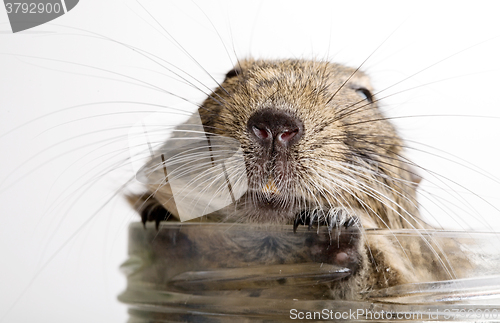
(271,199)
(272,191)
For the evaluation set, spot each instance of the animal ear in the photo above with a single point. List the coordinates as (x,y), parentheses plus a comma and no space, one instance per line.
(361,84)
(233,73)
(365,94)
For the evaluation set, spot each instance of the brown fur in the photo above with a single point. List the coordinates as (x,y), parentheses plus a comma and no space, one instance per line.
(349,157)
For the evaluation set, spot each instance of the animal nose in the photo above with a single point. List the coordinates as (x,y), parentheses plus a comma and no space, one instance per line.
(274,127)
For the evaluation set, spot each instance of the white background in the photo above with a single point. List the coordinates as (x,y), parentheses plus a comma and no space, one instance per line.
(61,241)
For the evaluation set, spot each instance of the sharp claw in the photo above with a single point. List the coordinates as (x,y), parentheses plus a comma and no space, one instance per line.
(330,223)
(312,217)
(300,219)
(296,223)
(353,221)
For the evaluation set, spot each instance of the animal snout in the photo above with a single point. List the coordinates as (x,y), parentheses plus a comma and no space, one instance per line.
(274,128)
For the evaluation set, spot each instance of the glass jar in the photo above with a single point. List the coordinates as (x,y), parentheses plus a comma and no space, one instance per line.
(211,272)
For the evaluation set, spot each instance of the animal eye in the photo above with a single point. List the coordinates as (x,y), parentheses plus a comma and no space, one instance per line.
(365,94)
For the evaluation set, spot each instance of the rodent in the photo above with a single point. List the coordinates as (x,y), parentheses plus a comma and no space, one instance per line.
(317,149)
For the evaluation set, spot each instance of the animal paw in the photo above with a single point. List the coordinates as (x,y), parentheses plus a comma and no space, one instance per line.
(334,218)
(341,244)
